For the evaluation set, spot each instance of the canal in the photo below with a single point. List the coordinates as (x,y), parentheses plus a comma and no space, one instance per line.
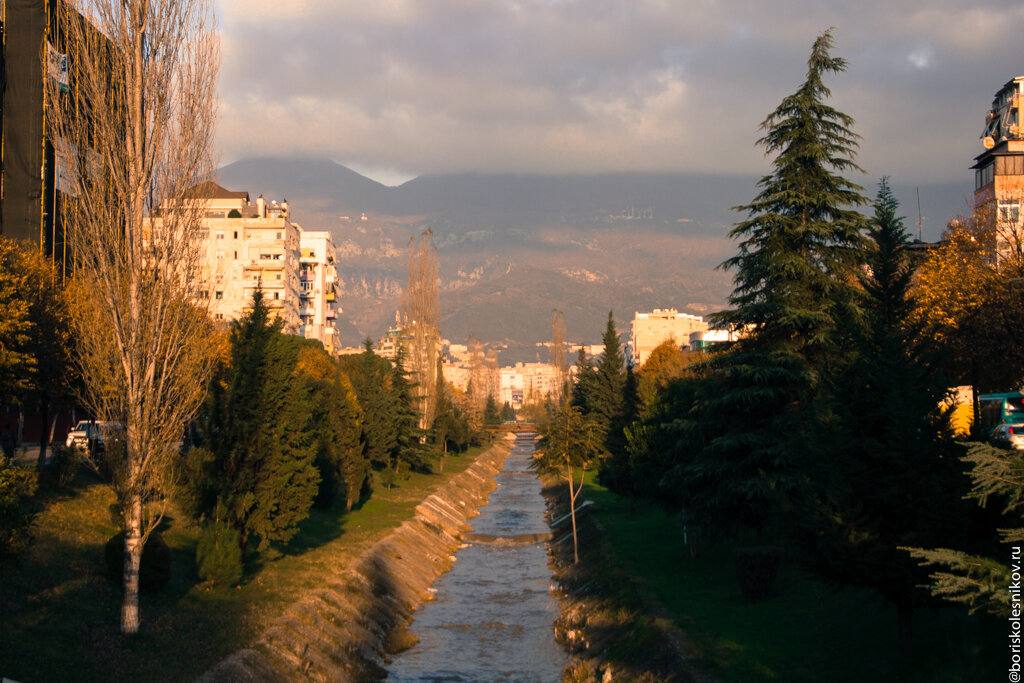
(493,614)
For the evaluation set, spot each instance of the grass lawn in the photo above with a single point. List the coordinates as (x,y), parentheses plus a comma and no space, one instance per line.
(59,615)
(808,632)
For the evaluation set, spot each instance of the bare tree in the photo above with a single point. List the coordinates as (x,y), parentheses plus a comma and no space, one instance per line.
(478,379)
(134,133)
(421,314)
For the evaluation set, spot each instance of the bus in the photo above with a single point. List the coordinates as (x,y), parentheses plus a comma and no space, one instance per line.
(999,408)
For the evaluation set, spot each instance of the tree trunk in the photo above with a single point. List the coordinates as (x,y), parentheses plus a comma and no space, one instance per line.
(44,435)
(132,563)
(572,515)
(976,430)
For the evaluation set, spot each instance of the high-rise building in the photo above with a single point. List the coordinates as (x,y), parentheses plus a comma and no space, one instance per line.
(999,170)
(318,279)
(254,244)
(31,183)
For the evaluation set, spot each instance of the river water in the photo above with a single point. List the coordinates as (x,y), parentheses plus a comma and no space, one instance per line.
(493,616)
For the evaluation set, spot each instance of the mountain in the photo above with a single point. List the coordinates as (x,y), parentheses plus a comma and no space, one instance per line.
(512,247)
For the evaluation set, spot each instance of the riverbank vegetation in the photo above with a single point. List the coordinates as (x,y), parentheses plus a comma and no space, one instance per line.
(815,453)
(60,610)
(804,631)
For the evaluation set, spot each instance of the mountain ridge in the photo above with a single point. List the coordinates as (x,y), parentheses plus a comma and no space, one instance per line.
(513,246)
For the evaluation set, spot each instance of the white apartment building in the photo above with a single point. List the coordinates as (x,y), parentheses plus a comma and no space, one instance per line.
(527,383)
(651,329)
(249,245)
(318,280)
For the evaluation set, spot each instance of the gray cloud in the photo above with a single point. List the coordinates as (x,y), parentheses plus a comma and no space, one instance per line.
(426,86)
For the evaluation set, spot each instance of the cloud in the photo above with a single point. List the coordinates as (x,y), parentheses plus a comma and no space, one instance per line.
(427,86)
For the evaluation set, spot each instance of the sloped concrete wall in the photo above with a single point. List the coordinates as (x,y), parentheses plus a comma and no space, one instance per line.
(346,629)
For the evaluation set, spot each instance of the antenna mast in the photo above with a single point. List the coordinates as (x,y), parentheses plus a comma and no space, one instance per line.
(920,219)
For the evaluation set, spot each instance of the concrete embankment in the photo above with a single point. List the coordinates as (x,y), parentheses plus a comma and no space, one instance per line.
(346,629)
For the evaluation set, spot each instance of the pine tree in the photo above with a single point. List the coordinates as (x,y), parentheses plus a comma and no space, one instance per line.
(796,257)
(371,378)
(584,389)
(409,451)
(981,580)
(492,413)
(608,403)
(886,471)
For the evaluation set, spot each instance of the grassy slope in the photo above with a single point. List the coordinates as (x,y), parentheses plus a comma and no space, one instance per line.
(59,616)
(808,633)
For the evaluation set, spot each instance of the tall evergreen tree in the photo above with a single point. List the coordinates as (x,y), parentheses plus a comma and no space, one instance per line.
(608,405)
(371,378)
(796,256)
(886,472)
(262,476)
(409,451)
(584,388)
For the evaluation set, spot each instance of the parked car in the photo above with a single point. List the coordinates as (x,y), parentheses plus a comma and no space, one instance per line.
(93,436)
(1008,435)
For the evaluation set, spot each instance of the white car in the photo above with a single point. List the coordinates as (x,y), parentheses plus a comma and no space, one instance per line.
(1008,435)
(97,434)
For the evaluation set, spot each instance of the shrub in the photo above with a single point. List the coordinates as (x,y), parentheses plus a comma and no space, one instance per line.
(757,569)
(66,462)
(155,571)
(219,554)
(17,509)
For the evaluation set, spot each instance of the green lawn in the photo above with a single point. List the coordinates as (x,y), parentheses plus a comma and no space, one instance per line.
(59,615)
(807,633)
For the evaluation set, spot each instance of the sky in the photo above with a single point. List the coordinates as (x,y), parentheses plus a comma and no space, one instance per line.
(400,88)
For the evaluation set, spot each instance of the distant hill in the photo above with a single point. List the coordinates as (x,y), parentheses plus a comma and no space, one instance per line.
(512,247)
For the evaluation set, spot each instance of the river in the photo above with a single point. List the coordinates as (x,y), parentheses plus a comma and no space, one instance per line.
(493,616)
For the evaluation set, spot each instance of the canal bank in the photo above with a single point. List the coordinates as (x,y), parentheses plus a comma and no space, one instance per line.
(611,629)
(344,630)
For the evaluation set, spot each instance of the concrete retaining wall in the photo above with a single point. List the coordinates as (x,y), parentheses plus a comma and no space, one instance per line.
(345,630)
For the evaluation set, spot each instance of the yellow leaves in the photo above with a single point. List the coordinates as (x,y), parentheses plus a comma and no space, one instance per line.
(316,364)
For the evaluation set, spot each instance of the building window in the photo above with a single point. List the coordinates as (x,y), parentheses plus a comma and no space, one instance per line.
(236,254)
(219,295)
(219,234)
(236,234)
(1009,210)
(220,255)
(278,235)
(277,295)
(218,316)
(279,276)
(984,175)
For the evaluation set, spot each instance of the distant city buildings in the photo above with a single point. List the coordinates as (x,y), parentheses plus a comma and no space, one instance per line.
(651,329)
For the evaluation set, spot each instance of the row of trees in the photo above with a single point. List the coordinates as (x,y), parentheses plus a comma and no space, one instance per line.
(286,427)
(826,427)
